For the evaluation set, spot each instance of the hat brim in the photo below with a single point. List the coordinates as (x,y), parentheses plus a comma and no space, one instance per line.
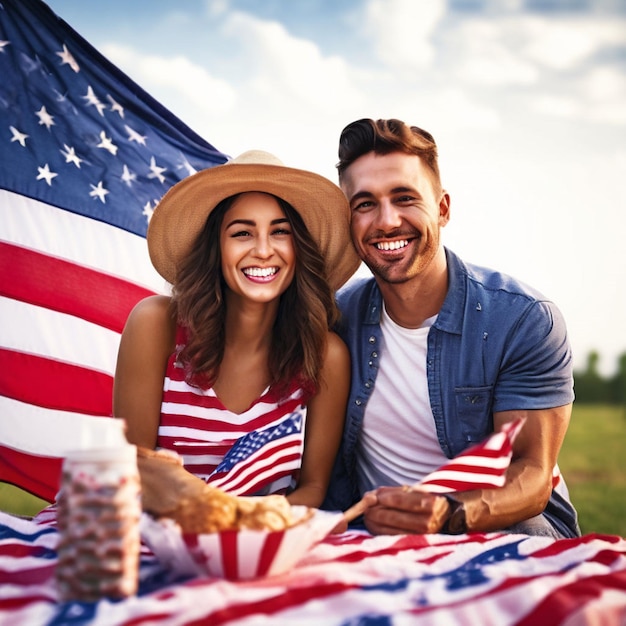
(182,213)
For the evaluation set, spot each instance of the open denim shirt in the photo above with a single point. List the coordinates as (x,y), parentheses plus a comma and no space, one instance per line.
(496,345)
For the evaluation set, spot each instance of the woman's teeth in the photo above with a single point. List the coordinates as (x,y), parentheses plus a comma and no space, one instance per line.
(260,272)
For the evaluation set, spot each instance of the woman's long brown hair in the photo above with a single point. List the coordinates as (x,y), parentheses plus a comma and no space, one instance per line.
(305,313)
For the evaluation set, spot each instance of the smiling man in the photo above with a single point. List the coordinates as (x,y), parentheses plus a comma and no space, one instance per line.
(443,354)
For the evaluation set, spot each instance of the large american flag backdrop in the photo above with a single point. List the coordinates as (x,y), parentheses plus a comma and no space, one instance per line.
(85,155)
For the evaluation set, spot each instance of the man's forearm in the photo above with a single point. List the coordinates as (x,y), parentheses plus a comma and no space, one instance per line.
(524,495)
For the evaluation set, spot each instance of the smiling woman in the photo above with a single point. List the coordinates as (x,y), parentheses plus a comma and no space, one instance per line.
(238,372)
(257,247)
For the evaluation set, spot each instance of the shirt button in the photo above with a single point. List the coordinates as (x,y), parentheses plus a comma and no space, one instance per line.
(368,384)
(374,355)
(358,402)
(372,339)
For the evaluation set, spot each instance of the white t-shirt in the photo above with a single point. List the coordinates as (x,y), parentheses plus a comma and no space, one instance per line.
(398,442)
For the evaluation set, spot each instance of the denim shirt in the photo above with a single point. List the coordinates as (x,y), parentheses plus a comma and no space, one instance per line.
(496,345)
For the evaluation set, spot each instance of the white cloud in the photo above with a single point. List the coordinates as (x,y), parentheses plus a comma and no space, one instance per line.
(551,65)
(605,91)
(598,97)
(564,43)
(273,90)
(216,8)
(449,109)
(605,84)
(486,54)
(554,105)
(401,30)
(287,70)
(520,49)
(189,82)
(499,69)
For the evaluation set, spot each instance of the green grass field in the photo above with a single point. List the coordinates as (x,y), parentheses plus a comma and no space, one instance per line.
(591,461)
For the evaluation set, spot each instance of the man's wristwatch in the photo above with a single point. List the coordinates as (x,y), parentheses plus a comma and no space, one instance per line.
(456,523)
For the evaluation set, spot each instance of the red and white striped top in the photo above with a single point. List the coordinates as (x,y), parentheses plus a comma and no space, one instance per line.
(269,435)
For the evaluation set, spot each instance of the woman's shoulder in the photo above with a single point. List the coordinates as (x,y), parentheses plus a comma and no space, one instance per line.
(335,347)
(153,314)
(156,306)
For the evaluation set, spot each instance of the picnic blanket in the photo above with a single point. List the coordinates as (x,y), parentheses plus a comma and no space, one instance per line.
(351,578)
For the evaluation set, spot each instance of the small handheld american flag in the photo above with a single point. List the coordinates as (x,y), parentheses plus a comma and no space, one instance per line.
(482,466)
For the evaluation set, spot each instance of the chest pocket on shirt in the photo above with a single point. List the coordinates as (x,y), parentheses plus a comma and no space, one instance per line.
(473,413)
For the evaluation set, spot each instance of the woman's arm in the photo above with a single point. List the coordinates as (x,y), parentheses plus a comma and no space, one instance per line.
(324,425)
(146,344)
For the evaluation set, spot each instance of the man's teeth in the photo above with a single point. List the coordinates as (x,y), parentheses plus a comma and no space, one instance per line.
(392,245)
(260,272)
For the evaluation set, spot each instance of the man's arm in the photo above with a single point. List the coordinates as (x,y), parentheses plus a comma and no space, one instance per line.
(525,493)
(529,478)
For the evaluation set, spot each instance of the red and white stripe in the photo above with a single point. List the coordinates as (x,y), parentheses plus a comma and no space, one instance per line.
(64,301)
(482,466)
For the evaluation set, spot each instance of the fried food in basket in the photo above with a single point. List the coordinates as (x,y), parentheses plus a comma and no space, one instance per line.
(264,513)
(169,490)
(207,511)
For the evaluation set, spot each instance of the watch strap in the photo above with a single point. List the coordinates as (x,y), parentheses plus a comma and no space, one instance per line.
(456,524)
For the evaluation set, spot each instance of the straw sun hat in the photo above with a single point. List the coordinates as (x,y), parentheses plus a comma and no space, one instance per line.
(183,211)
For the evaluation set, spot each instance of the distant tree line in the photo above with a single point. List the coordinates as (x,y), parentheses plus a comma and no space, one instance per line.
(591,388)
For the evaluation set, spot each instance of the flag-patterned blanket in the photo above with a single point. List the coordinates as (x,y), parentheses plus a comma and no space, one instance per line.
(353,578)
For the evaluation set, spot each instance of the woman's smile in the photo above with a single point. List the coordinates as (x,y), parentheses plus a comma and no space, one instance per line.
(261,274)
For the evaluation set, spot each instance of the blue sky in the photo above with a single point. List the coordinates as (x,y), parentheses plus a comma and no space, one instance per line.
(526,99)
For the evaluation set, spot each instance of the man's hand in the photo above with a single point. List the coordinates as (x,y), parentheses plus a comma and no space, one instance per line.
(406,510)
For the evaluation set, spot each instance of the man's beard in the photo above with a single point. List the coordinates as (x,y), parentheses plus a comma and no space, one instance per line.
(389,272)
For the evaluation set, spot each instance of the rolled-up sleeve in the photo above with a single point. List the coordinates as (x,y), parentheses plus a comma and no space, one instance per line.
(536,370)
